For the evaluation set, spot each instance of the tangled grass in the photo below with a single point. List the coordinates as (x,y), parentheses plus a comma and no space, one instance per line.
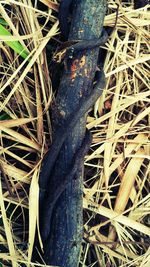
(116,187)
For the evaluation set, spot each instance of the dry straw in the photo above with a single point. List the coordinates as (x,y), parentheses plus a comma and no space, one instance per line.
(116,188)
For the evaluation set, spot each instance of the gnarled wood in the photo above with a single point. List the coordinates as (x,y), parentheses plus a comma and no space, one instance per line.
(62,245)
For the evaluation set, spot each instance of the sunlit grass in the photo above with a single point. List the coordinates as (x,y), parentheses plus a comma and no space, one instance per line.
(16,46)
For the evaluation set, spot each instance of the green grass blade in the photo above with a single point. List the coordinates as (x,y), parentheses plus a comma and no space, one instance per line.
(15,45)
(3,22)
(4,116)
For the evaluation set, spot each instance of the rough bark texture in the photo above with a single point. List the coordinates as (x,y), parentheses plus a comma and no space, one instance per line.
(62,244)
(140,3)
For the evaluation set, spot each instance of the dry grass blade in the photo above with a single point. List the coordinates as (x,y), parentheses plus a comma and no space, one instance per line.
(25,96)
(15,122)
(118,166)
(114,216)
(7,229)
(33,212)
(50,4)
(20,138)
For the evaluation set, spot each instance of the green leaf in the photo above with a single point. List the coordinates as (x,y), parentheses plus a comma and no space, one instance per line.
(15,45)
(3,22)
(4,116)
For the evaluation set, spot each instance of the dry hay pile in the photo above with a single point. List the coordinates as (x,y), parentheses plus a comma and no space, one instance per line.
(116,187)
